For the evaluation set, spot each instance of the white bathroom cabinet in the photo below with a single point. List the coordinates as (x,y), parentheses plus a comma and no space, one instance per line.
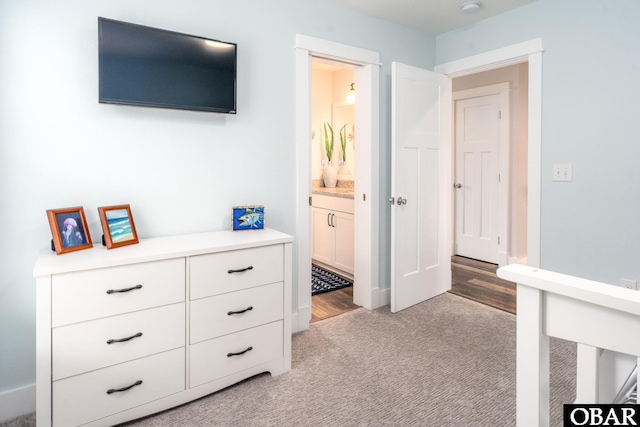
(333,232)
(128,332)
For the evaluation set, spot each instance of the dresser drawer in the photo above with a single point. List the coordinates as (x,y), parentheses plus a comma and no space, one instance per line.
(214,359)
(85,346)
(234,270)
(210,317)
(85,295)
(83,398)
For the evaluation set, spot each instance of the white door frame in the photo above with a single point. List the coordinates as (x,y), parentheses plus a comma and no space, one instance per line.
(531,52)
(366,174)
(504,145)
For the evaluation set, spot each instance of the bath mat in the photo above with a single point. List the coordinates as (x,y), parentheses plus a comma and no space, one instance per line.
(325,281)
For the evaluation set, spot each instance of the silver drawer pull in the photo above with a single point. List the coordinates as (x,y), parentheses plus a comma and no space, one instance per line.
(229,313)
(111,291)
(240,270)
(118,390)
(238,354)
(111,341)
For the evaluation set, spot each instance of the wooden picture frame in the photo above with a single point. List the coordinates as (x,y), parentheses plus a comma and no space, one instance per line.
(247,218)
(69,229)
(118,226)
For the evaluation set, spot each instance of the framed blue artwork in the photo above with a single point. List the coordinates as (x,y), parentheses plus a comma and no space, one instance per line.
(247,218)
(117,226)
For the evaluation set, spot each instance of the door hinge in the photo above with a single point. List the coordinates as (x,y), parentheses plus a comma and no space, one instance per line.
(310,198)
(499,177)
(498,239)
(499,115)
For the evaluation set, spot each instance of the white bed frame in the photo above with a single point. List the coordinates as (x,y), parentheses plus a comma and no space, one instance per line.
(594,315)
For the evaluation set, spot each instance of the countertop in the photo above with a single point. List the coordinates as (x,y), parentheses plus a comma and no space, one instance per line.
(342,189)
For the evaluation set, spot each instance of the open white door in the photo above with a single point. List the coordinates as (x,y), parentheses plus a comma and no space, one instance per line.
(421,185)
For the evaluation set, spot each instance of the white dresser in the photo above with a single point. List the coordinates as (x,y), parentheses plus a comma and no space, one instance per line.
(128,332)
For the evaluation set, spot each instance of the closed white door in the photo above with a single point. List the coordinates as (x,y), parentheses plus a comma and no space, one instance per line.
(421,185)
(476,177)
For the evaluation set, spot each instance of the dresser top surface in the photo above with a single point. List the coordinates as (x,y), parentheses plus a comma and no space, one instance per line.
(155,249)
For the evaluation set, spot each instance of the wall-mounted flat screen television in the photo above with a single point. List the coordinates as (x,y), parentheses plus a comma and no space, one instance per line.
(146,66)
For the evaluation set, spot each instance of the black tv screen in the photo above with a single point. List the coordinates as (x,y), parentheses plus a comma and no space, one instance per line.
(151,67)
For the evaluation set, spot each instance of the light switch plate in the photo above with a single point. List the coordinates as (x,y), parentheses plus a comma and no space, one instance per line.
(563,172)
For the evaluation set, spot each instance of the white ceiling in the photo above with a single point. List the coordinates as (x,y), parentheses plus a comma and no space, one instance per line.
(432,16)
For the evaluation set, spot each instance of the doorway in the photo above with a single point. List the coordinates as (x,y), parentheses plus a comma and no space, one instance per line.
(529,52)
(332,184)
(491,165)
(366,180)
(490,158)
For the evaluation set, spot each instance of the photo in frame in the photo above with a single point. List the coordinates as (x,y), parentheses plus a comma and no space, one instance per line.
(247,218)
(118,226)
(69,229)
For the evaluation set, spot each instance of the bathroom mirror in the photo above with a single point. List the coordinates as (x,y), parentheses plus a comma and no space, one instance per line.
(342,116)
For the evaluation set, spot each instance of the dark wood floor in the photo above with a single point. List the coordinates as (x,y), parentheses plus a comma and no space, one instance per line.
(472,279)
(477,280)
(332,303)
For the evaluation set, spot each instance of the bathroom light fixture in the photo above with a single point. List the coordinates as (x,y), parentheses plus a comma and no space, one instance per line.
(351,95)
(470,7)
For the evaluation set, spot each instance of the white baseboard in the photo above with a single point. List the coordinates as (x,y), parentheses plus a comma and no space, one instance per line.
(17,402)
(384,297)
(503,259)
(295,326)
(297,322)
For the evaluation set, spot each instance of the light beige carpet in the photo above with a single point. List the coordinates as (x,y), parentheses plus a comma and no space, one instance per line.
(445,362)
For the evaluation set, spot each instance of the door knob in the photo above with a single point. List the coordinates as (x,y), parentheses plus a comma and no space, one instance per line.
(402,201)
(458,185)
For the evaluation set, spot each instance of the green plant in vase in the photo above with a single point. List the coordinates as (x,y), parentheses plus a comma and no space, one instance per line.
(329,174)
(328,141)
(343,142)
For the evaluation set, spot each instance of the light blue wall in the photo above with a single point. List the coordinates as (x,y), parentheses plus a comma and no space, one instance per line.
(180,171)
(591,64)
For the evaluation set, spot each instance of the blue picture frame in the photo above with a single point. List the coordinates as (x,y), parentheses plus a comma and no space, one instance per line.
(247,218)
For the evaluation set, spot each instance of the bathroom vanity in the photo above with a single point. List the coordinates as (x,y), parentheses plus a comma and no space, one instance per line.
(333,226)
